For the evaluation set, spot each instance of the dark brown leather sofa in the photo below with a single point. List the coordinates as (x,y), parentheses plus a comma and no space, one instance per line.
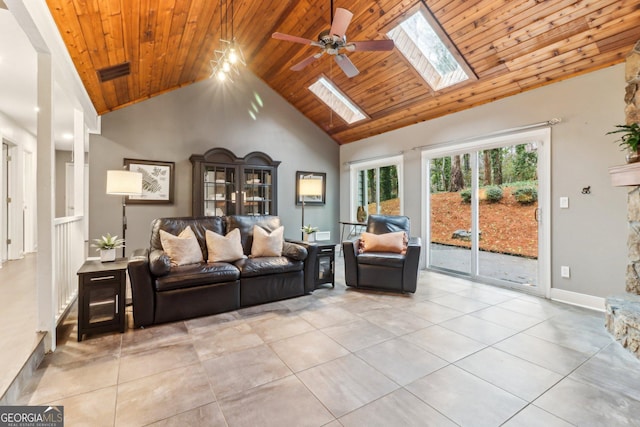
(162,293)
(383,270)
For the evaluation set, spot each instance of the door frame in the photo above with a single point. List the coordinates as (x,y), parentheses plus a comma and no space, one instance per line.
(542,136)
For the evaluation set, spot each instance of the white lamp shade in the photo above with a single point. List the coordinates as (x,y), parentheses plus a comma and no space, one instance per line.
(310,187)
(124,183)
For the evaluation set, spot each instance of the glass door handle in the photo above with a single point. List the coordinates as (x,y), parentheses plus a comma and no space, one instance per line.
(536,214)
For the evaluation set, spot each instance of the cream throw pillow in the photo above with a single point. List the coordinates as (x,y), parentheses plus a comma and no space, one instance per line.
(265,243)
(224,248)
(395,242)
(183,248)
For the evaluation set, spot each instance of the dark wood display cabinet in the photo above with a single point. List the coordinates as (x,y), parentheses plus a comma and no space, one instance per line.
(101,295)
(224,184)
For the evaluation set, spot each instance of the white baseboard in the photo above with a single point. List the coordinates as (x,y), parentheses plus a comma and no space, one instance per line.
(575,298)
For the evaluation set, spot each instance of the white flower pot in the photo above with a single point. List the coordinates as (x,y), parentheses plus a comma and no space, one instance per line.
(107,255)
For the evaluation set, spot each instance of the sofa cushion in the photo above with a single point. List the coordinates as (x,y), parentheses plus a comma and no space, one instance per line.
(395,242)
(186,276)
(379,224)
(267,244)
(251,267)
(387,259)
(224,248)
(176,225)
(183,248)
(246,223)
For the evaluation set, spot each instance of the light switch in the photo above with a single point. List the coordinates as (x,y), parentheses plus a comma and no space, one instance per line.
(565,271)
(564,202)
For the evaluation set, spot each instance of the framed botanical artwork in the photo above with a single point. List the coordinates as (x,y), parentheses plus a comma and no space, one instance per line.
(311,187)
(157,181)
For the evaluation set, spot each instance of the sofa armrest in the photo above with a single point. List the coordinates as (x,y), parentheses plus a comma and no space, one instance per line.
(294,251)
(410,268)
(309,265)
(350,252)
(142,291)
(159,262)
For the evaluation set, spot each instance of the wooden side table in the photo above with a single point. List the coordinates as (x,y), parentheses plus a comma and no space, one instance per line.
(101,295)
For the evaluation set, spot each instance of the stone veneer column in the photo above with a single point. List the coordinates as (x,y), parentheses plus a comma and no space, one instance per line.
(622,317)
(633,242)
(632,112)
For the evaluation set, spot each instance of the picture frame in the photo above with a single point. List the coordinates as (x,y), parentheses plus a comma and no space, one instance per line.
(157,181)
(311,200)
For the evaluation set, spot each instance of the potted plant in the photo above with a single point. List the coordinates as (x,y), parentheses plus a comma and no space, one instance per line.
(308,231)
(107,246)
(630,140)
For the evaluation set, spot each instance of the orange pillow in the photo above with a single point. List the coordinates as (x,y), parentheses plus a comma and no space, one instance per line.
(395,242)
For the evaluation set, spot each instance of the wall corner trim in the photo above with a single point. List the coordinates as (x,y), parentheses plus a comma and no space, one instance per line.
(578,299)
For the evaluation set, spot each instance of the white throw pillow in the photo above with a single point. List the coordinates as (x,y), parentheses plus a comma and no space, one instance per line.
(183,248)
(265,243)
(224,248)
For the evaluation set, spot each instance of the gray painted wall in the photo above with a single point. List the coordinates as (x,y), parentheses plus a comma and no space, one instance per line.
(193,119)
(62,158)
(590,236)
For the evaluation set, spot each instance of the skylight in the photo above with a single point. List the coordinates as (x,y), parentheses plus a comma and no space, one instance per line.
(418,40)
(337,101)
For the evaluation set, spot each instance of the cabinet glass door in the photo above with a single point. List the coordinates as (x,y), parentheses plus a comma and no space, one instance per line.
(219,191)
(257,192)
(103,304)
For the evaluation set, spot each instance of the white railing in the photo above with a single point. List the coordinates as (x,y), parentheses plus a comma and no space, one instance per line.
(68,249)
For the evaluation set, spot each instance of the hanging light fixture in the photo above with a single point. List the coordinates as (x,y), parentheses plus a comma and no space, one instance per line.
(228,57)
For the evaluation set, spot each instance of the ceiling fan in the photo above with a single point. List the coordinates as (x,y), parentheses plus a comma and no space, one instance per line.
(334,42)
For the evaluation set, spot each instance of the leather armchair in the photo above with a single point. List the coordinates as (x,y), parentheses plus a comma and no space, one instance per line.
(383,270)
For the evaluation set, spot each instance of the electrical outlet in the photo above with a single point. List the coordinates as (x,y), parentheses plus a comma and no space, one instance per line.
(565,272)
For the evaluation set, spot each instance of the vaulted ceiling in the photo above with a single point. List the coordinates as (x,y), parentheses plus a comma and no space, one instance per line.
(510,45)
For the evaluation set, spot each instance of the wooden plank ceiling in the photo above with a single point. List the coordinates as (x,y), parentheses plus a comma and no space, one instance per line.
(511,46)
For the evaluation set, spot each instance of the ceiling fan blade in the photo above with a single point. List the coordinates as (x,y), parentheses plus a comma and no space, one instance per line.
(370,45)
(300,65)
(347,66)
(295,39)
(341,21)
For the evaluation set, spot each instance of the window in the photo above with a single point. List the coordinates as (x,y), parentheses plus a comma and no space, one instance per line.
(377,186)
(426,46)
(337,101)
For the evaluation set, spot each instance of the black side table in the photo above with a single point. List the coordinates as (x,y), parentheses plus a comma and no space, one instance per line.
(101,295)
(325,263)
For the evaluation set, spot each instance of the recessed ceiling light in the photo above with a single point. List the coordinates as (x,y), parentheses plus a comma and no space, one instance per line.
(36,109)
(68,136)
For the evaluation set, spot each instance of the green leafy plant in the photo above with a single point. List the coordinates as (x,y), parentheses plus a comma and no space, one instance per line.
(308,229)
(494,193)
(630,137)
(466,196)
(107,242)
(526,195)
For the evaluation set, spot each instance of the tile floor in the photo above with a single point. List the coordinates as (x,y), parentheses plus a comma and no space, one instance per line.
(454,353)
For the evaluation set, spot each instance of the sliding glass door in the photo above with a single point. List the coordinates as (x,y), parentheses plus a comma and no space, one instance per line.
(484,211)
(450,213)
